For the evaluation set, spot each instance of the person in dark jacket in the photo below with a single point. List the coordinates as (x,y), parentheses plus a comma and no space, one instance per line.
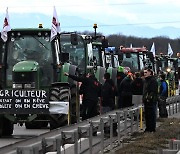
(163,94)
(91,92)
(108,100)
(126,91)
(120,76)
(137,89)
(108,94)
(150,94)
(137,84)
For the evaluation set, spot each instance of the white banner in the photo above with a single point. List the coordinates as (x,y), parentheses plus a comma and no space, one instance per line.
(59,107)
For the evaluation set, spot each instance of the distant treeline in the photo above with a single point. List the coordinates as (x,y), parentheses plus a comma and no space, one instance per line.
(161,42)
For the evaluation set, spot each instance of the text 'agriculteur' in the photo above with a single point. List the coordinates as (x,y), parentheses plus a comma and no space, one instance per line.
(24,101)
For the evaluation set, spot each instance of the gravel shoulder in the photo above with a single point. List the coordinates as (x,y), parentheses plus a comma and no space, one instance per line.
(148,143)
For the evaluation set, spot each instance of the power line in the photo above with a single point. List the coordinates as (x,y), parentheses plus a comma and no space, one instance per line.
(111,4)
(116,25)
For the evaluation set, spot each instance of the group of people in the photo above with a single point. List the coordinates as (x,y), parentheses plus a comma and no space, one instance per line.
(144,84)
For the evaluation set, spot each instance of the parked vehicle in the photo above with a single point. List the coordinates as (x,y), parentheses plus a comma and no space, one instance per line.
(34,88)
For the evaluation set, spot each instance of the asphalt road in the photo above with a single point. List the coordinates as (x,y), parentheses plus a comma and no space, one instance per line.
(21,133)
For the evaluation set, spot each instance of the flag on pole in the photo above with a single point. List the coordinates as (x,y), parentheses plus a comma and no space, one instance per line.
(55,29)
(6,27)
(170,51)
(153,49)
(131,46)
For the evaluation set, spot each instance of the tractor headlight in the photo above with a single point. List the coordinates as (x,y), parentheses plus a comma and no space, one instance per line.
(18,86)
(168,69)
(29,85)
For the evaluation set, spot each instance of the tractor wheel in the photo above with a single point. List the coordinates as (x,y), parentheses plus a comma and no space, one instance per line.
(1,126)
(6,127)
(59,94)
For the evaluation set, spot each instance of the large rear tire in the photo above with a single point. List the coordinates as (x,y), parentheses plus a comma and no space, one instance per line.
(6,127)
(59,94)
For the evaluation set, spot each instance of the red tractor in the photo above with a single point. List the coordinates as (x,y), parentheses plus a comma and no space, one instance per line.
(136,58)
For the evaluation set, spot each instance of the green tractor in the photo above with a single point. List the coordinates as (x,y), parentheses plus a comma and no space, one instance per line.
(168,65)
(34,89)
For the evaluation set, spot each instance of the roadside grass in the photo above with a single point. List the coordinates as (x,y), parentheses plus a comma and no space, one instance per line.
(149,143)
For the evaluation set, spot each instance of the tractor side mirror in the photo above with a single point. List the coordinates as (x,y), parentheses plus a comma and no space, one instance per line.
(105,43)
(175,63)
(150,56)
(159,63)
(120,56)
(64,57)
(74,39)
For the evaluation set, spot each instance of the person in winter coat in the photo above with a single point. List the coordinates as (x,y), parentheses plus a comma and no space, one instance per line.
(137,89)
(108,94)
(126,91)
(108,100)
(150,95)
(163,94)
(120,76)
(137,84)
(91,91)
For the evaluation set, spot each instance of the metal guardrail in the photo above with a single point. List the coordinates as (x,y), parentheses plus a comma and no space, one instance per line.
(173,104)
(125,125)
(83,134)
(173,108)
(174,147)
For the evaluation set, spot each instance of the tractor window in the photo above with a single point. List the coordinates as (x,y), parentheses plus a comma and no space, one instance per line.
(116,62)
(96,55)
(77,52)
(130,61)
(141,62)
(178,62)
(33,48)
(29,48)
(162,64)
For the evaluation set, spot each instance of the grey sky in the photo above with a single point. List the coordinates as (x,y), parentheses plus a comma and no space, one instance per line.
(152,13)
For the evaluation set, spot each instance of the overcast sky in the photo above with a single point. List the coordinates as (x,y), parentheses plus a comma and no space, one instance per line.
(153,13)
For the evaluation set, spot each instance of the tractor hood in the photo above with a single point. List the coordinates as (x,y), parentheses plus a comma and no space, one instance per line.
(26,66)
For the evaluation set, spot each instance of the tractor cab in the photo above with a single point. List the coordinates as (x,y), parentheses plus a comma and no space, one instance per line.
(26,55)
(134,58)
(111,59)
(169,66)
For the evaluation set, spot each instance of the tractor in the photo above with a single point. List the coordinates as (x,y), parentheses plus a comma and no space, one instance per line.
(135,58)
(34,90)
(169,66)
